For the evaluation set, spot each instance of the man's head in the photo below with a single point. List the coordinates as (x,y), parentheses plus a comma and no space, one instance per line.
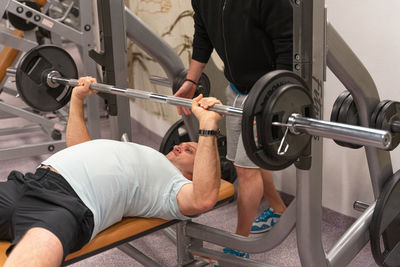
(182,156)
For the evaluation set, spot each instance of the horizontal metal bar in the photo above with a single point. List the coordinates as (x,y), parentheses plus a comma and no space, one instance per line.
(360,206)
(352,241)
(160,81)
(226,259)
(11,71)
(171,100)
(340,131)
(138,255)
(31,150)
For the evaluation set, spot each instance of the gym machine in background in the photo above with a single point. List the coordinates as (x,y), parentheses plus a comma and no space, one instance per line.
(57,24)
(114,28)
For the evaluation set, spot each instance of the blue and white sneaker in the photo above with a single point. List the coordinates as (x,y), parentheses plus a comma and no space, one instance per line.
(265,221)
(236,253)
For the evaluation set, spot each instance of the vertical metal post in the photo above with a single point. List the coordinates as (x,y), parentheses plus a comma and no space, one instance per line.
(113,58)
(88,43)
(309,63)
(183,242)
(344,63)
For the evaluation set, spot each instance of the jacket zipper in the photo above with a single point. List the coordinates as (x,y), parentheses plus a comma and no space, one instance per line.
(224,40)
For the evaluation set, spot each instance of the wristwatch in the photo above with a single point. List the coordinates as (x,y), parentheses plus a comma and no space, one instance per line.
(209,132)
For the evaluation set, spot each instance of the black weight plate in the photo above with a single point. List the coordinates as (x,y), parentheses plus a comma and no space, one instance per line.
(286,100)
(336,106)
(19,22)
(175,135)
(203,85)
(385,224)
(31,77)
(389,113)
(376,112)
(348,114)
(385,113)
(253,110)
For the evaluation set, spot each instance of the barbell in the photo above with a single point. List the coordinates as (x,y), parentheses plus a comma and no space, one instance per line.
(279,103)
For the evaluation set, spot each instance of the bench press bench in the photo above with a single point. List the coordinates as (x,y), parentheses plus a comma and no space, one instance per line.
(124,231)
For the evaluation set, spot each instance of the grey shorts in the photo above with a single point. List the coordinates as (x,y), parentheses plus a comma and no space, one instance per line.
(235,148)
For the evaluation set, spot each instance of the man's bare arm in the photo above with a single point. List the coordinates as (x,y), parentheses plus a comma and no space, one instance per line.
(188,88)
(77,131)
(202,194)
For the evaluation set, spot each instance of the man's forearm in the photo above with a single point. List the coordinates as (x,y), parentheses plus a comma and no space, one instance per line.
(195,70)
(206,172)
(77,131)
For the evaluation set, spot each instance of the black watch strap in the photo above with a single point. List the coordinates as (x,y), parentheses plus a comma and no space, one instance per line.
(209,132)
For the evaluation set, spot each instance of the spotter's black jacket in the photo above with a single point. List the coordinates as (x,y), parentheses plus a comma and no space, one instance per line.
(252,37)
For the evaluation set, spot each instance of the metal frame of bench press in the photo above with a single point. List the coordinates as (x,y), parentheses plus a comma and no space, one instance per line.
(84,39)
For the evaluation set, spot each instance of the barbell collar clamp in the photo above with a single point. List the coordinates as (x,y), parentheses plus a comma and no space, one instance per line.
(340,131)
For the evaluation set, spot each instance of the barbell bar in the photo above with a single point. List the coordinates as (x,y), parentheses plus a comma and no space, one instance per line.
(296,123)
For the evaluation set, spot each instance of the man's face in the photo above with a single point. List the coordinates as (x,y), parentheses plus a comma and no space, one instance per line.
(182,156)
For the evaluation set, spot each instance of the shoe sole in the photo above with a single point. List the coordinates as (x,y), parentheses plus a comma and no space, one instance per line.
(261,231)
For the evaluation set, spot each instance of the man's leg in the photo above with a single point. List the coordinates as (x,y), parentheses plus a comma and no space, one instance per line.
(250,191)
(9,193)
(39,247)
(271,194)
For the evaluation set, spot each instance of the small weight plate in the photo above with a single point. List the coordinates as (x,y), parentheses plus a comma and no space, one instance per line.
(384,114)
(32,73)
(385,224)
(286,100)
(203,85)
(19,22)
(336,106)
(376,112)
(348,114)
(253,111)
(389,113)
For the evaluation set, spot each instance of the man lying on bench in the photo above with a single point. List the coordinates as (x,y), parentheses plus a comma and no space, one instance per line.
(90,185)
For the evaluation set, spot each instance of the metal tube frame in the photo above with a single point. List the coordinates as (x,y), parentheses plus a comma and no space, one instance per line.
(83,38)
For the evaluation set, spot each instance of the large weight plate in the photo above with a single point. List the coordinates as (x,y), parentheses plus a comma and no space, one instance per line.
(385,224)
(31,77)
(286,100)
(253,111)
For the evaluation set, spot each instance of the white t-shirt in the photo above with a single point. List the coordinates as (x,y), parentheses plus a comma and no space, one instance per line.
(118,179)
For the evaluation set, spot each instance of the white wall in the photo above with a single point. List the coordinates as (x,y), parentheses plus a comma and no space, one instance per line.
(371,28)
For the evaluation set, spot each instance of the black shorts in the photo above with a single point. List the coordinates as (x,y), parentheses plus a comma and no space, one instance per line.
(45,200)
